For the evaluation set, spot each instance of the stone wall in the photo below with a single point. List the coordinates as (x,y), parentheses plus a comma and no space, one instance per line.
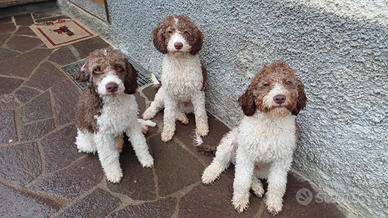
(340,51)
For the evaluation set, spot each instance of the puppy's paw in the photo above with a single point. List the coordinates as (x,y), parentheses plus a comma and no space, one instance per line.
(144,129)
(167,135)
(203,130)
(114,177)
(147,162)
(274,204)
(210,174)
(149,113)
(185,120)
(120,149)
(257,188)
(240,203)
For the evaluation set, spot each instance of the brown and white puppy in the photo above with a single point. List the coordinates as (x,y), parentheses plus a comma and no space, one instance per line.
(262,145)
(183,75)
(107,109)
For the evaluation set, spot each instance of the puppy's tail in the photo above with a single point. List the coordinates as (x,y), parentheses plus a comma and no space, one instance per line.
(155,82)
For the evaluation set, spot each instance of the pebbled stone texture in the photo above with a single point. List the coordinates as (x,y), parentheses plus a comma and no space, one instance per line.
(30,60)
(218,198)
(45,77)
(8,131)
(46,13)
(36,130)
(8,85)
(339,52)
(162,208)
(138,182)
(21,204)
(25,94)
(37,109)
(6,54)
(23,43)
(72,182)
(25,20)
(65,96)
(59,149)
(20,164)
(62,56)
(98,204)
(174,166)
(7,102)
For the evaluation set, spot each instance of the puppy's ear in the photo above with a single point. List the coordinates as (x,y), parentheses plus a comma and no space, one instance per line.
(130,81)
(247,102)
(159,39)
(302,99)
(83,75)
(198,41)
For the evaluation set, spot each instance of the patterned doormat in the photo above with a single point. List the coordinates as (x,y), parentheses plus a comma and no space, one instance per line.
(59,33)
(72,69)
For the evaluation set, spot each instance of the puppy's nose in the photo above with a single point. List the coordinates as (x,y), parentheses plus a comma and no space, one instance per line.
(279,99)
(111,87)
(178,45)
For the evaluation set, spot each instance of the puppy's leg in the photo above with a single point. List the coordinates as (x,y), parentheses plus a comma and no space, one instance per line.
(277,180)
(156,105)
(242,179)
(109,156)
(182,117)
(169,118)
(201,124)
(119,143)
(85,142)
(225,151)
(257,186)
(139,145)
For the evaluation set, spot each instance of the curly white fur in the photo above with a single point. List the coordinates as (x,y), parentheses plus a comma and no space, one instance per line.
(118,116)
(180,92)
(261,140)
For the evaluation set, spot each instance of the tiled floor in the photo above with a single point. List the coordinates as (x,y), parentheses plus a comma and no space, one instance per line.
(43,175)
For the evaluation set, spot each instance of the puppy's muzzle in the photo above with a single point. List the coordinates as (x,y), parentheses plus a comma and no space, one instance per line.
(111,87)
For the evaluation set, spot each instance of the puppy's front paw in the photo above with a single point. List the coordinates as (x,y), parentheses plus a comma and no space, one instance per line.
(147,162)
(210,174)
(167,135)
(203,130)
(149,114)
(274,204)
(240,203)
(257,188)
(114,177)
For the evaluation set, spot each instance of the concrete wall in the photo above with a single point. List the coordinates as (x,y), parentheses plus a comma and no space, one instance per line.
(340,51)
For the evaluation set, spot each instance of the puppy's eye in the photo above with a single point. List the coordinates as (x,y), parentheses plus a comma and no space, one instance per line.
(185,32)
(266,84)
(169,32)
(288,83)
(97,70)
(119,68)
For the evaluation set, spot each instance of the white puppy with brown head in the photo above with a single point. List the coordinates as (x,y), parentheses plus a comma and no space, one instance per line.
(262,145)
(183,75)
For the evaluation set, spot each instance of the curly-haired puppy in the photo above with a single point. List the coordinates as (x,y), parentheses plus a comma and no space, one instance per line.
(262,145)
(107,109)
(183,75)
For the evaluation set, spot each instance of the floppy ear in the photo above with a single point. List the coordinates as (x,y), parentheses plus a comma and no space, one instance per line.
(302,99)
(158,38)
(83,75)
(130,81)
(198,41)
(247,102)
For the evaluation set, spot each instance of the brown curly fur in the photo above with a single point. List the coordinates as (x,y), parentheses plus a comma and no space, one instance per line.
(161,37)
(278,72)
(90,103)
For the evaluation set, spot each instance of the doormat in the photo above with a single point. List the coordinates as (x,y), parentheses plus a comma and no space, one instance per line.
(72,69)
(59,33)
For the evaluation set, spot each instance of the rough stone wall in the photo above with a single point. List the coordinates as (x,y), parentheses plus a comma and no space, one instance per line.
(340,51)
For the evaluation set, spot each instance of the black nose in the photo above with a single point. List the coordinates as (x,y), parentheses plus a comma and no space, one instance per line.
(178,45)
(279,99)
(111,87)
